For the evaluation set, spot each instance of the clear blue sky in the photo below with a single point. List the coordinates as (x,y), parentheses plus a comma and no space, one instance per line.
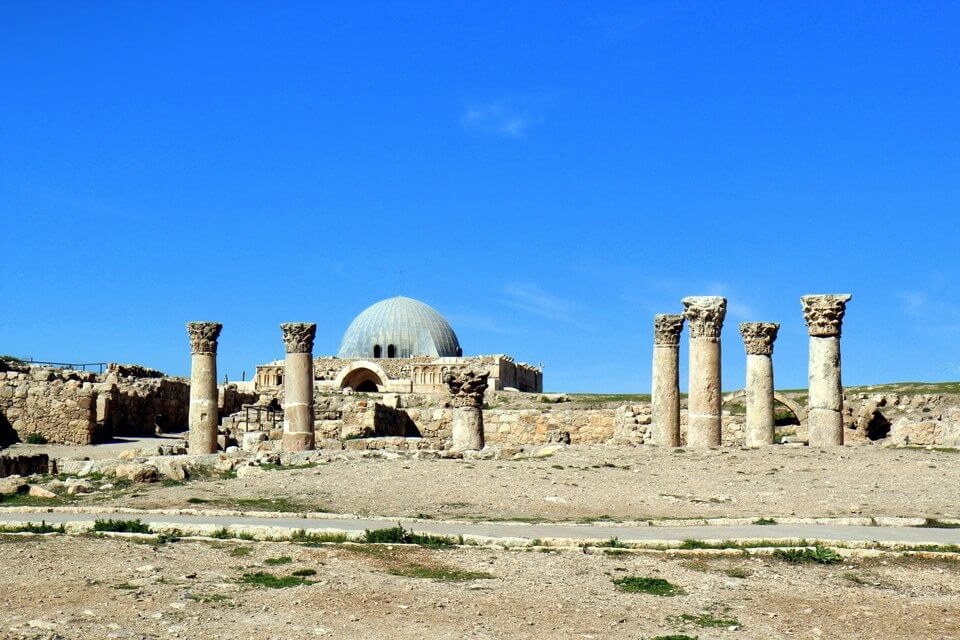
(546,176)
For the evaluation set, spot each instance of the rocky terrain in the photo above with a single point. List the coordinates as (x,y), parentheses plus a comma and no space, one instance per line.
(239,590)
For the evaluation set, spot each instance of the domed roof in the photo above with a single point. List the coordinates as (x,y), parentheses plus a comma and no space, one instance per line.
(399,328)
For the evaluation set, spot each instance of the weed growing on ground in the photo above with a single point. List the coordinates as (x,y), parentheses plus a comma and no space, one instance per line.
(818,555)
(274,562)
(764,521)
(270,581)
(317,539)
(440,573)
(652,586)
(241,552)
(707,620)
(121,526)
(303,573)
(29,527)
(399,535)
(933,523)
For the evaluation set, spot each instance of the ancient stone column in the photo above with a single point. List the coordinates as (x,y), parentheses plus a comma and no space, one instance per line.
(467,391)
(298,432)
(704,316)
(665,394)
(203,386)
(758,340)
(824,317)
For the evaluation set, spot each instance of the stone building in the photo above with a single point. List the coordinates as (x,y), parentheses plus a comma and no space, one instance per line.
(401,345)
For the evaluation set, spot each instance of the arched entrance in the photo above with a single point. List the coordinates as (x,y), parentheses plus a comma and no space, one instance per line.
(788,412)
(362,376)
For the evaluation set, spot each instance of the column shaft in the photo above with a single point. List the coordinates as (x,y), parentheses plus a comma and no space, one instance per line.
(203,403)
(298,433)
(760,415)
(665,398)
(703,403)
(825,415)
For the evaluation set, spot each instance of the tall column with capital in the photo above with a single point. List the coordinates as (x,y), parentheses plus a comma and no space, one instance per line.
(824,317)
(298,434)
(704,316)
(203,386)
(758,338)
(665,394)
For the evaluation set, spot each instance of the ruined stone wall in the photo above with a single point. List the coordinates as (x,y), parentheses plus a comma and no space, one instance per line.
(144,406)
(60,406)
(903,419)
(80,407)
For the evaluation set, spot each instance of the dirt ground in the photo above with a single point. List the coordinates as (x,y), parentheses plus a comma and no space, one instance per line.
(83,587)
(596,482)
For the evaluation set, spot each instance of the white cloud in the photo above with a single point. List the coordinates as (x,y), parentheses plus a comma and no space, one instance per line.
(504,117)
(532,299)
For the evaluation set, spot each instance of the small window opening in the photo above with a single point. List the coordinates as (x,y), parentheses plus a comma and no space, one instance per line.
(376,351)
(391,351)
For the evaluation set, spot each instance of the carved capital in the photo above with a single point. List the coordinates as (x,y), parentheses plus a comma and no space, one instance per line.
(298,336)
(467,388)
(705,315)
(824,313)
(758,337)
(203,336)
(667,328)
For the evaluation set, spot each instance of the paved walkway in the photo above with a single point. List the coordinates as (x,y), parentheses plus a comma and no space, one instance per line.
(811,532)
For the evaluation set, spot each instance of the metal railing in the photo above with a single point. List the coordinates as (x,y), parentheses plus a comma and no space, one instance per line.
(78,366)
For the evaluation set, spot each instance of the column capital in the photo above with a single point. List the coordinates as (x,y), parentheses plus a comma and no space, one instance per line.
(298,336)
(758,337)
(824,313)
(667,328)
(705,315)
(467,388)
(203,336)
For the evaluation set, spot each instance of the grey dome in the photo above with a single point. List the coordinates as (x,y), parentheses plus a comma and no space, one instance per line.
(409,326)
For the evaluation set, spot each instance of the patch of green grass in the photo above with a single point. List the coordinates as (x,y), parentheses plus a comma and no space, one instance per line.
(933,523)
(30,527)
(613,543)
(652,586)
(399,535)
(764,521)
(121,526)
(707,621)
(289,467)
(270,581)
(605,398)
(197,501)
(737,572)
(317,539)
(817,555)
(213,598)
(274,562)
(167,538)
(440,573)
(855,579)
(241,552)
(36,438)
(303,573)
(26,500)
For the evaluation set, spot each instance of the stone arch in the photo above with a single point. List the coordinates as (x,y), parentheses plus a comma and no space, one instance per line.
(361,373)
(794,408)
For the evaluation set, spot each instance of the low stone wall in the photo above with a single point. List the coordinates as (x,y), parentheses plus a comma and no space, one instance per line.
(24,465)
